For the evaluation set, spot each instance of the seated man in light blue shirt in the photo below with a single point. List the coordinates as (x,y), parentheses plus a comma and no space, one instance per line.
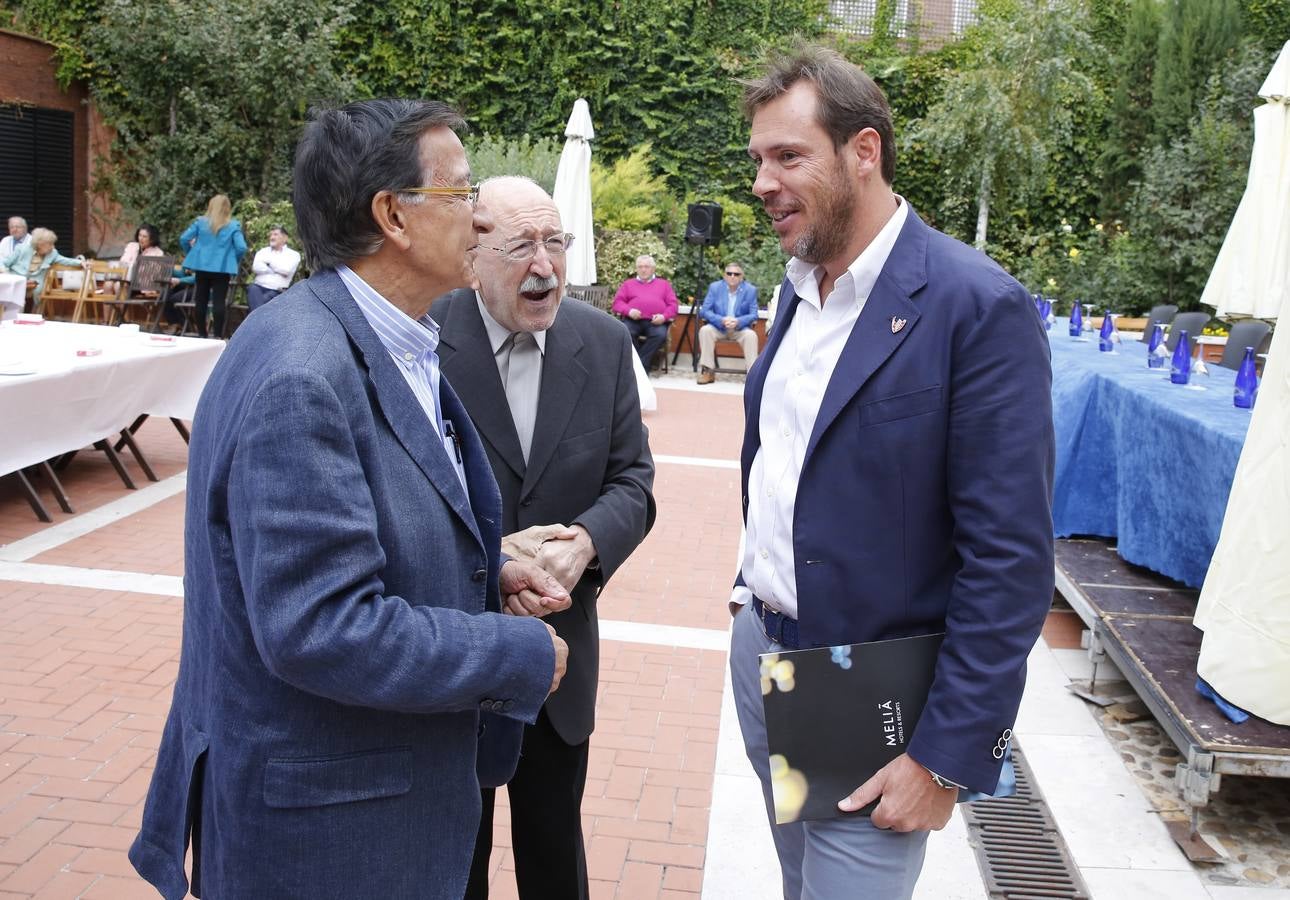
(729,312)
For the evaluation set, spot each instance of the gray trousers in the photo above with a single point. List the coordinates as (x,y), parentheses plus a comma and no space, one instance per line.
(834,859)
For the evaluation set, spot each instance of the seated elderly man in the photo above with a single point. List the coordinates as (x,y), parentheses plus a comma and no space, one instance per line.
(647,304)
(13,287)
(32,259)
(729,312)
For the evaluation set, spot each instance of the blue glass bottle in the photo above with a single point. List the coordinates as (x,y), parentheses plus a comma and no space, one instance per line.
(1104,342)
(1154,359)
(1046,313)
(1180,369)
(1247,382)
(1077,320)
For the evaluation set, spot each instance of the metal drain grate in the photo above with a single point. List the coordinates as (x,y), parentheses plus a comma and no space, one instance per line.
(1020,851)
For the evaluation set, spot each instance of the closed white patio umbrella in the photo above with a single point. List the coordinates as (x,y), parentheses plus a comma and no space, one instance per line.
(573,194)
(1251,276)
(1244,606)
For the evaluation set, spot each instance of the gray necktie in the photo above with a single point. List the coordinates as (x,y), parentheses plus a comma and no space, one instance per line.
(523,379)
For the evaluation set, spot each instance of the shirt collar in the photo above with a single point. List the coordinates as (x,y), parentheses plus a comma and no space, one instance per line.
(862,274)
(498,333)
(646,280)
(407,339)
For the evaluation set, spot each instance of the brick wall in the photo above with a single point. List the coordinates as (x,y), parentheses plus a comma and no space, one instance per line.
(29,80)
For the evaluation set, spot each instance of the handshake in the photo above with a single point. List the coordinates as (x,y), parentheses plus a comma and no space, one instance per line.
(546,562)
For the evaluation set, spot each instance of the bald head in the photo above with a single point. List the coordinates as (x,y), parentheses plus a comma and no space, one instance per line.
(521,294)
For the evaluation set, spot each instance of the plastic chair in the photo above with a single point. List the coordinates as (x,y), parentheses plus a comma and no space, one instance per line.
(1250,333)
(1191,322)
(1162,314)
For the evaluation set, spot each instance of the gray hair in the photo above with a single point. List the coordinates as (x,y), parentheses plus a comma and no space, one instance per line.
(646,258)
(13,219)
(347,156)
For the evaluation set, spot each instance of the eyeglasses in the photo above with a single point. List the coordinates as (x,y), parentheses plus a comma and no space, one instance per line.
(735,273)
(516,251)
(469,194)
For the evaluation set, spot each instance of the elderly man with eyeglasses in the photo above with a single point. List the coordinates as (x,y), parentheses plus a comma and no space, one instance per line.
(550,387)
(729,313)
(343,575)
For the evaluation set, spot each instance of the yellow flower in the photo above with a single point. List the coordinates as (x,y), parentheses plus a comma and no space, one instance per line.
(1074,254)
(1052,283)
(1098,226)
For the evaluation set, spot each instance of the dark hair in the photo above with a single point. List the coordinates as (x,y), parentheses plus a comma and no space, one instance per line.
(154,237)
(348,155)
(847,100)
(281,228)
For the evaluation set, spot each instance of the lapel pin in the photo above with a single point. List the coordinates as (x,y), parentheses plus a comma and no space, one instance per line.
(897,324)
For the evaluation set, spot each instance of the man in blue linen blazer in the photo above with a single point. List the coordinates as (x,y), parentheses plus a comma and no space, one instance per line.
(721,321)
(341,633)
(916,468)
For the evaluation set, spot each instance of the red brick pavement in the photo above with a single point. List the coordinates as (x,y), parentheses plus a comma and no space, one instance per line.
(86,678)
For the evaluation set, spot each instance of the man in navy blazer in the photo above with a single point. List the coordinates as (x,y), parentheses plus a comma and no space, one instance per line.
(729,312)
(897,468)
(342,565)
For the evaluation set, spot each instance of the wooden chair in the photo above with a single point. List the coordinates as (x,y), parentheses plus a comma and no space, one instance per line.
(105,280)
(142,298)
(57,302)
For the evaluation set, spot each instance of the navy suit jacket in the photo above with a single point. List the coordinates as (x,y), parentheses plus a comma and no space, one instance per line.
(925,498)
(714,304)
(336,649)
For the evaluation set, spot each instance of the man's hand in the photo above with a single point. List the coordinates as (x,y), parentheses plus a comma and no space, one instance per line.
(911,801)
(730,323)
(561,658)
(528,590)
(524,544)
(566,555)
(656,319)
(633,313)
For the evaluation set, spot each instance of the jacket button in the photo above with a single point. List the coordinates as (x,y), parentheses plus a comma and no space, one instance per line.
(486,705)
(506,707)
(479,575)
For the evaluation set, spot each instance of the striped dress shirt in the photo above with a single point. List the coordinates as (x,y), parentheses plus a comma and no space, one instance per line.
(411,344)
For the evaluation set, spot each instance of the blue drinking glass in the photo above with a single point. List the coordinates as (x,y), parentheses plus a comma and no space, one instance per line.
(1077,321)
(1247,382)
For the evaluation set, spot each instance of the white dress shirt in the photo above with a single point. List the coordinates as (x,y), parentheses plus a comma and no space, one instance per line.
(274,269)
(791,397)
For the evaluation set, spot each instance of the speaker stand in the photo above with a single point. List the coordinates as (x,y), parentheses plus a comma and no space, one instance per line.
(691,333)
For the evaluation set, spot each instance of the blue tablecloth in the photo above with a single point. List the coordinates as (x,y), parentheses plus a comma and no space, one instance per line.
(1140,459)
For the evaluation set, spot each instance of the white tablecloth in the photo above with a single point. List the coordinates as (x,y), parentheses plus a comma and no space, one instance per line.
(13,294)
(69,402)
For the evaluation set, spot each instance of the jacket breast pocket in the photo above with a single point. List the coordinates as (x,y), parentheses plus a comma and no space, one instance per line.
(582,443)
(327,780)
(901,406)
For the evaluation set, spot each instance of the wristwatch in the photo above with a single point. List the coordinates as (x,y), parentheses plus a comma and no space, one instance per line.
(943,782)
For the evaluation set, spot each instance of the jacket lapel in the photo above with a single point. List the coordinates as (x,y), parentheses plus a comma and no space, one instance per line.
(398,404)
(874,337)
(563,376)
(466,357)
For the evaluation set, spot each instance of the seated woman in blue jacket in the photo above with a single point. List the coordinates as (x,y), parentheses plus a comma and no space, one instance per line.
(729,313)
(33,258)
(215,244)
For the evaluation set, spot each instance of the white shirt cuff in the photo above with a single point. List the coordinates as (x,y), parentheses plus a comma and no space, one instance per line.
(741,595)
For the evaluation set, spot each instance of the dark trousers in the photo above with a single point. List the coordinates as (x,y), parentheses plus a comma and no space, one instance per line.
(654,337)
(546,820)
(257,296)
(210,288)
